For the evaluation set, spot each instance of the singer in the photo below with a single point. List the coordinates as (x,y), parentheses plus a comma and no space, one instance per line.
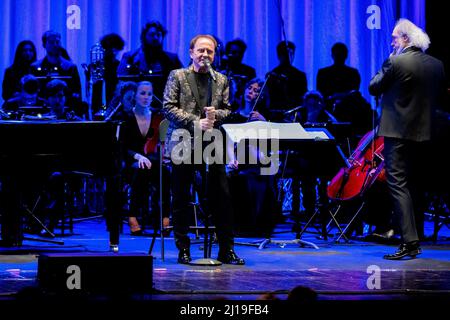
(412,85)
(198,96)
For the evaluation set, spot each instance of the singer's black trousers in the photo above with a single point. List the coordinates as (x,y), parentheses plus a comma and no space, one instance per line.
(215,201)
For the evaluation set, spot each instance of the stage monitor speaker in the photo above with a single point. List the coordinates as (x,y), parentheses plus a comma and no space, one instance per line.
(85,273)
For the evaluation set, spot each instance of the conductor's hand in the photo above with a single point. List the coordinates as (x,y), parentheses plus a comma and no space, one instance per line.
(143,162)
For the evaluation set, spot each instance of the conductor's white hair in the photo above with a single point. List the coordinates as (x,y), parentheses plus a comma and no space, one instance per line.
(416,36)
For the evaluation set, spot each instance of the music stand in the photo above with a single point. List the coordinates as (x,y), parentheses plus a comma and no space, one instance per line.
(290,136)
(87,146)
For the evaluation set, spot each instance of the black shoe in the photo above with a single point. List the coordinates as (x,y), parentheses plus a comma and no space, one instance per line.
(230,257)
(410,249)
(184,256)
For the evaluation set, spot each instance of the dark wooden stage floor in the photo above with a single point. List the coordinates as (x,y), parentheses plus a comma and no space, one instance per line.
(336,271)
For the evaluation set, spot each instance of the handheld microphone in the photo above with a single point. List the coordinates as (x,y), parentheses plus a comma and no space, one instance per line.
(210,70)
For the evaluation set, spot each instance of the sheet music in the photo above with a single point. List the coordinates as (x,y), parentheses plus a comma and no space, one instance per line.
(266,130)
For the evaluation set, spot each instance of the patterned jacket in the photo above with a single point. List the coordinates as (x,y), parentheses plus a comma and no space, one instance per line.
(181,98)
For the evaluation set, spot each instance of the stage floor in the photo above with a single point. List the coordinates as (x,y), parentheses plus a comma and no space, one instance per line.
(336,271)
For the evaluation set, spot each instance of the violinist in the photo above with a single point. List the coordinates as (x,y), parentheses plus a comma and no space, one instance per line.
(247,110)
(412,85)
(252,194)
(121,104)
(141,159)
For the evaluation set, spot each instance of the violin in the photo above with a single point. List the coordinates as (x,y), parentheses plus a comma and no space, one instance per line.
(364,167)
(151,145)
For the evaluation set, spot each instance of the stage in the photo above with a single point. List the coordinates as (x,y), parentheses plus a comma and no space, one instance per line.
(335,271)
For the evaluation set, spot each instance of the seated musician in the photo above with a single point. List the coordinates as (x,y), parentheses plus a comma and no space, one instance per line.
(313,112)
(28,96)
(252,194)
(122,102)
(150,60)
(54,66)
(56,91)
(53,185)
(141,158)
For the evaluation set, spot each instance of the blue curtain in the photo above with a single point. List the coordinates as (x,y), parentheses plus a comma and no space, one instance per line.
(365,26)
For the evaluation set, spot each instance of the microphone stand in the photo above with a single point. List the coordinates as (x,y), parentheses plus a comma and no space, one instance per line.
(295,117)
(207,243)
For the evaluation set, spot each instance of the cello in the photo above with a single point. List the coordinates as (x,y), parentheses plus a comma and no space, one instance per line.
(364,167)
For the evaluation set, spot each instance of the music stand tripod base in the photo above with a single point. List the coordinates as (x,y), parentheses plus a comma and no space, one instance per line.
(44,240)
(283,243)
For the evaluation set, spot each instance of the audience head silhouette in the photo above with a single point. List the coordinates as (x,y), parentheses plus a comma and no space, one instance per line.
(301,294)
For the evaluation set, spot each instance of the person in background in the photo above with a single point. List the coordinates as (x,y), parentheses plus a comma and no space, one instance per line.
(113,44)
(337,78)
(237,72)
(142,161)
(55,65)
(28,95)
(24,56)
(252,194)
(286,84)
(56,102)
(122,103)
(412,86)
(150,62)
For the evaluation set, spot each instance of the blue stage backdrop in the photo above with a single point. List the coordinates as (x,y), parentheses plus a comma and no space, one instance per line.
(314,26)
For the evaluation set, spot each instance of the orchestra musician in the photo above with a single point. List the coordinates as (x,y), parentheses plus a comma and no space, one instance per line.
(140,135)
(54,66)
(150,61)
(24,56)
(252,193)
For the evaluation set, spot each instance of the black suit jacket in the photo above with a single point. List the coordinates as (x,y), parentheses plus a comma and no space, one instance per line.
(65,68)
(181,101)
(286,86)
(336,79)
(412,86)
(135,63)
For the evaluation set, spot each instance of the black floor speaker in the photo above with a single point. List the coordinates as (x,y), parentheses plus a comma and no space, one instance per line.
(86,273)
